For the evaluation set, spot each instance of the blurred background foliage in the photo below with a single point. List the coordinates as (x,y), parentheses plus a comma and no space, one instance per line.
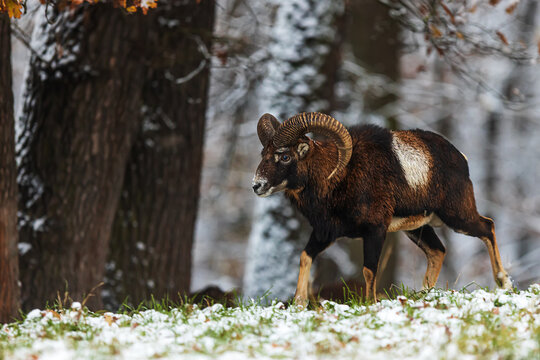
(122,120)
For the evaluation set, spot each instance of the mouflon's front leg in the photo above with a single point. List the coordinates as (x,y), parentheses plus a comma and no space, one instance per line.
(301,295)
(313,248)
(373,242)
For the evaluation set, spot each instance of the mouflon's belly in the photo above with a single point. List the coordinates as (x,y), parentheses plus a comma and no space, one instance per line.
(413,222)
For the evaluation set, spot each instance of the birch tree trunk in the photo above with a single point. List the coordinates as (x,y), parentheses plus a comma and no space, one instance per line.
(81,105)
(300,78)
(9,268)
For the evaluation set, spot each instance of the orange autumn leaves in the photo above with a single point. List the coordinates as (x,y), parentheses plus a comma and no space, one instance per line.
(443,21)
(14,8)
(130,5)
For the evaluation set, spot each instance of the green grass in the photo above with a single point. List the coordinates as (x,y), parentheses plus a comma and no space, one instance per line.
(444,324)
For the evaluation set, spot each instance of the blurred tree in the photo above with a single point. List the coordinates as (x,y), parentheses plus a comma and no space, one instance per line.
(301,77)
(106,90)
(373,37)
(153,229)
(445,127)
(79,119)
(518,89)
(9,268)
(515,89)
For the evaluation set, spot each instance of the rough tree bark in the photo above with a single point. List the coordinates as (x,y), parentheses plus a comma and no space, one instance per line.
(81,103)
(154,225)
(9,268)
(300,78)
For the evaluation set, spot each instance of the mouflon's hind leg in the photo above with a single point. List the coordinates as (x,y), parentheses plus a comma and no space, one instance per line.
(460,214)
(373,243)
(427,240)
(484,229)
(499,274)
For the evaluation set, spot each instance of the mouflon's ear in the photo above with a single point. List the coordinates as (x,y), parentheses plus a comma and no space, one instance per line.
(302,150)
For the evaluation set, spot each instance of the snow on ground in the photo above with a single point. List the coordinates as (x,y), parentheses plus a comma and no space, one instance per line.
(434,325)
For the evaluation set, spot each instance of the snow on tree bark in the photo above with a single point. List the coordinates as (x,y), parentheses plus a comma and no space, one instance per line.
(77,126)
(299,79)
(153,230)
(9,268)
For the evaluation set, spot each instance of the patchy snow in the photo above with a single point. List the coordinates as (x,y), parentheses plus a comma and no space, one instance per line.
(439,324)
(24,247)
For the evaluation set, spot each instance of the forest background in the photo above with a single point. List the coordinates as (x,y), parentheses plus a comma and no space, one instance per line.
(128,142)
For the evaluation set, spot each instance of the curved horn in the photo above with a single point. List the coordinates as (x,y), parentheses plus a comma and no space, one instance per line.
(292,129)
(266,128)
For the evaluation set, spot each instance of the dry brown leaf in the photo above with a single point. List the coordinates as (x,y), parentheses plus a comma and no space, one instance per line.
(449,12)
(502,37)
(110,319)
(54,313)
(494,2)
(510,9)
(435,32)
(447,331)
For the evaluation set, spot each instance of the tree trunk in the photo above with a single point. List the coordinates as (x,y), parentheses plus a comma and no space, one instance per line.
(154,225)
(9,267)
(519,88)
(300,78)
(374,40)
(445,127)
(81,103)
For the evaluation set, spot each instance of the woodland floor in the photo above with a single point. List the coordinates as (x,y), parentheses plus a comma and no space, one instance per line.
(438,324)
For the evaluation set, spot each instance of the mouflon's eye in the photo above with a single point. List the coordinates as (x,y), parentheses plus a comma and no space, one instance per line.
(285,158)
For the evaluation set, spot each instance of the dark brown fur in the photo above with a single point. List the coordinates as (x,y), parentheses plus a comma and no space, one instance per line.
(361,200)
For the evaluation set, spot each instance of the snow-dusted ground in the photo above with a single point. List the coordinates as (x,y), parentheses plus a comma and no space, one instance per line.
(436,325)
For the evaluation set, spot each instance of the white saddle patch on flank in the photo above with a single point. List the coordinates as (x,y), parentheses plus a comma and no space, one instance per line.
(414,162)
